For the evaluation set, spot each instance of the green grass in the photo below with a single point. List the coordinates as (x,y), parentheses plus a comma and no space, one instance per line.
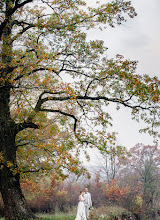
(101,213)
(56,217)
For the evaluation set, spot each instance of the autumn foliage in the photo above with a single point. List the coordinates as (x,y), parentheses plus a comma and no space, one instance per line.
(116,192)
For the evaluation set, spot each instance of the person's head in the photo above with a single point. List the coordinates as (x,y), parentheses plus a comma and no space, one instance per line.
(86,190)
(81,193)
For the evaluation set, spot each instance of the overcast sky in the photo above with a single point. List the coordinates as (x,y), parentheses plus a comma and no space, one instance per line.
(138,39)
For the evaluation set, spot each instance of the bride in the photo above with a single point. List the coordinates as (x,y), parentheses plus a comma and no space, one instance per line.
(81,215)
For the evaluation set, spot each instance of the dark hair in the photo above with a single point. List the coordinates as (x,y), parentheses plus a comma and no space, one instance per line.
(81,192)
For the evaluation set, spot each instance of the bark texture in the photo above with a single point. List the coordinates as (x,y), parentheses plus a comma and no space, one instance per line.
(15,206)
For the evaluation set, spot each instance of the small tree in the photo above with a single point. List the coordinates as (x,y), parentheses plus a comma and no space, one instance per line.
(108,162)
(144,164)
(116,192)
(150,179)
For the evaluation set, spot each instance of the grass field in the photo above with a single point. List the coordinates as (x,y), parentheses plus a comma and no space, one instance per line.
(57,217)
(54,217)
(102,213)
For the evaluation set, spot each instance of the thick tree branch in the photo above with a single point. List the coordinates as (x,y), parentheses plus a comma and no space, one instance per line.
(24,125)
(10,12)
(21,4)
(63,113)
(36,70)
(75,123)
(125,103)
(91,98)
(31,171)
(41,101)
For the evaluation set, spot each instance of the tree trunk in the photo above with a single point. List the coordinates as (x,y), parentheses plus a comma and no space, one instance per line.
(15,206)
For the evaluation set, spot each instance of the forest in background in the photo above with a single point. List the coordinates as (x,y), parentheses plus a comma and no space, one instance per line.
(130,180)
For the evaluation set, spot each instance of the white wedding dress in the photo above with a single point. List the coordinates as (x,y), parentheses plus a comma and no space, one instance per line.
(81,215)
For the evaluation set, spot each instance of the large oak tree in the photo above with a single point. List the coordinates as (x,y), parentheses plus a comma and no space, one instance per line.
(43,45)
